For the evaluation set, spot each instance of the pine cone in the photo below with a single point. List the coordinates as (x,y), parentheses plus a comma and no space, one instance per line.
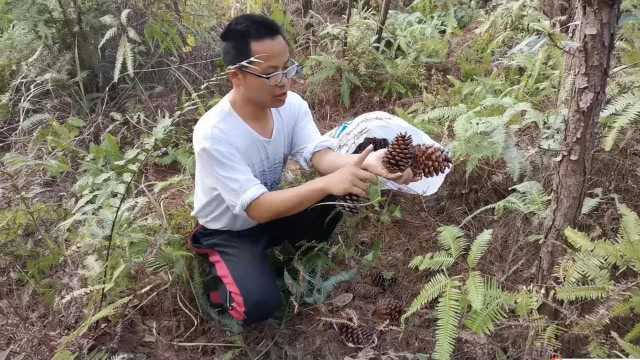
(384,280)
(400,154)
(350,199)
(390,308)
(365,291)
(430,160)
(357,336)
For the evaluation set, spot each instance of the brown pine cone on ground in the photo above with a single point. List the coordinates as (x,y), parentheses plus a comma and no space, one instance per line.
(357,335)
(349,203)
(390,308)
(365,291)
(384,279)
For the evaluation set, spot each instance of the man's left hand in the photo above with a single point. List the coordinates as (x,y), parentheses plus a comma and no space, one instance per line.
(374,165)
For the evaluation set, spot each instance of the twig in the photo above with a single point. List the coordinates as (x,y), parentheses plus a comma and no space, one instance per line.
(193,318)
(265,350)
(203,344)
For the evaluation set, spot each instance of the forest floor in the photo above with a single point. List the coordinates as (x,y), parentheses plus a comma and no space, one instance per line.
(151,331)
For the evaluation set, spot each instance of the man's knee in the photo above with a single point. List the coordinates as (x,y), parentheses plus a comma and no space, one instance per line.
(262,303)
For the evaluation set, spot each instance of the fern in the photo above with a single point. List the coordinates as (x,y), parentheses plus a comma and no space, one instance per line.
(631,349)
(475,290)
(479,247)
(429,292)
(622,112)
(581,293)
(107,311)
(452,239)
(435,261)
(448,312)
(124,52)
(579,240)
(548,338)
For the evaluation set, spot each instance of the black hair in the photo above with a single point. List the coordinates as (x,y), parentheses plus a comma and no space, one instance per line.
(239,33)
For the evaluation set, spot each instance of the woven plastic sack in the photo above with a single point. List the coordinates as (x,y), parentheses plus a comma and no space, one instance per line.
(384,125)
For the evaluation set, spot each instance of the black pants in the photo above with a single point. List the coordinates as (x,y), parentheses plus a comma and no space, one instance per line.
(248,284)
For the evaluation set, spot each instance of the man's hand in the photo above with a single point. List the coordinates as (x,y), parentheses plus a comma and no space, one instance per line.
(352,178)
(373,164)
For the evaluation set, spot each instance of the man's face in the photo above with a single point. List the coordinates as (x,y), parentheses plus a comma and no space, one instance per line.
(274,54)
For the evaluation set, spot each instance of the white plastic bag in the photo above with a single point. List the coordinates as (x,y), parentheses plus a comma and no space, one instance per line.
(384,125)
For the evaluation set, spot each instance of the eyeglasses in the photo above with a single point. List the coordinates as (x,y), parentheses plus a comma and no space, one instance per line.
(294,71)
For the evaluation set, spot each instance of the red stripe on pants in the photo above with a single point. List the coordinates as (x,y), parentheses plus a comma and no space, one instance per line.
(237,309)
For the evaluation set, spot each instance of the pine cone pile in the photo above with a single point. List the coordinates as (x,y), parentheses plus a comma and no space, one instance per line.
(357,335)
(350,202)
(430,160)
(365,291)
(384,280)
(400,154)
(390,308)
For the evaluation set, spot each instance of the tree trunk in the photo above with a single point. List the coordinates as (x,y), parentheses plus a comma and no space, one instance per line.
(386,4)
(588,65)
(307,5)
(561,12)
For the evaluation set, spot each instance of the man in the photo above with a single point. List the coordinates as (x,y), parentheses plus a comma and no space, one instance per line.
(241,147)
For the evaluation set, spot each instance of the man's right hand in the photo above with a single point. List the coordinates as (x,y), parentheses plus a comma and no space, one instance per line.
(351,179)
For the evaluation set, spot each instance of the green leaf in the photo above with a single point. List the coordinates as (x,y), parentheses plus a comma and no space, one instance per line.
(579,240)
(107,311)
(448,312)
(479,247)
(452,239)
(345,92)
(430,291)
(475,290)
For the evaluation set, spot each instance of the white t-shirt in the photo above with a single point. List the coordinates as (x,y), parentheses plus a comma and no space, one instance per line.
(235,165)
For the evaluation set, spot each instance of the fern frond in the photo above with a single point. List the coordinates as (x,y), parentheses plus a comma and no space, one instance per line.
(479,247)
(627,306)
(447,113)
(124,16)
(133,35)
(452,239)
(475,290)
(109,20)
(435,261)
(128,57)
(483,321)
(526,303)
(430,291)
(548,339)
(107,311)
(575,293)
(448,312)
(107,36)
(578,239)
(633,334)
(631,349)
(621,112)
(120,55)
(629,225)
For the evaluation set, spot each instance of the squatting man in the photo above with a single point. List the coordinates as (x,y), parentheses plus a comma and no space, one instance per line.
(241,146)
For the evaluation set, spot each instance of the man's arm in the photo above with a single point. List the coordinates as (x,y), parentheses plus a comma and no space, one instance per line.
(327,161)
(349,179)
